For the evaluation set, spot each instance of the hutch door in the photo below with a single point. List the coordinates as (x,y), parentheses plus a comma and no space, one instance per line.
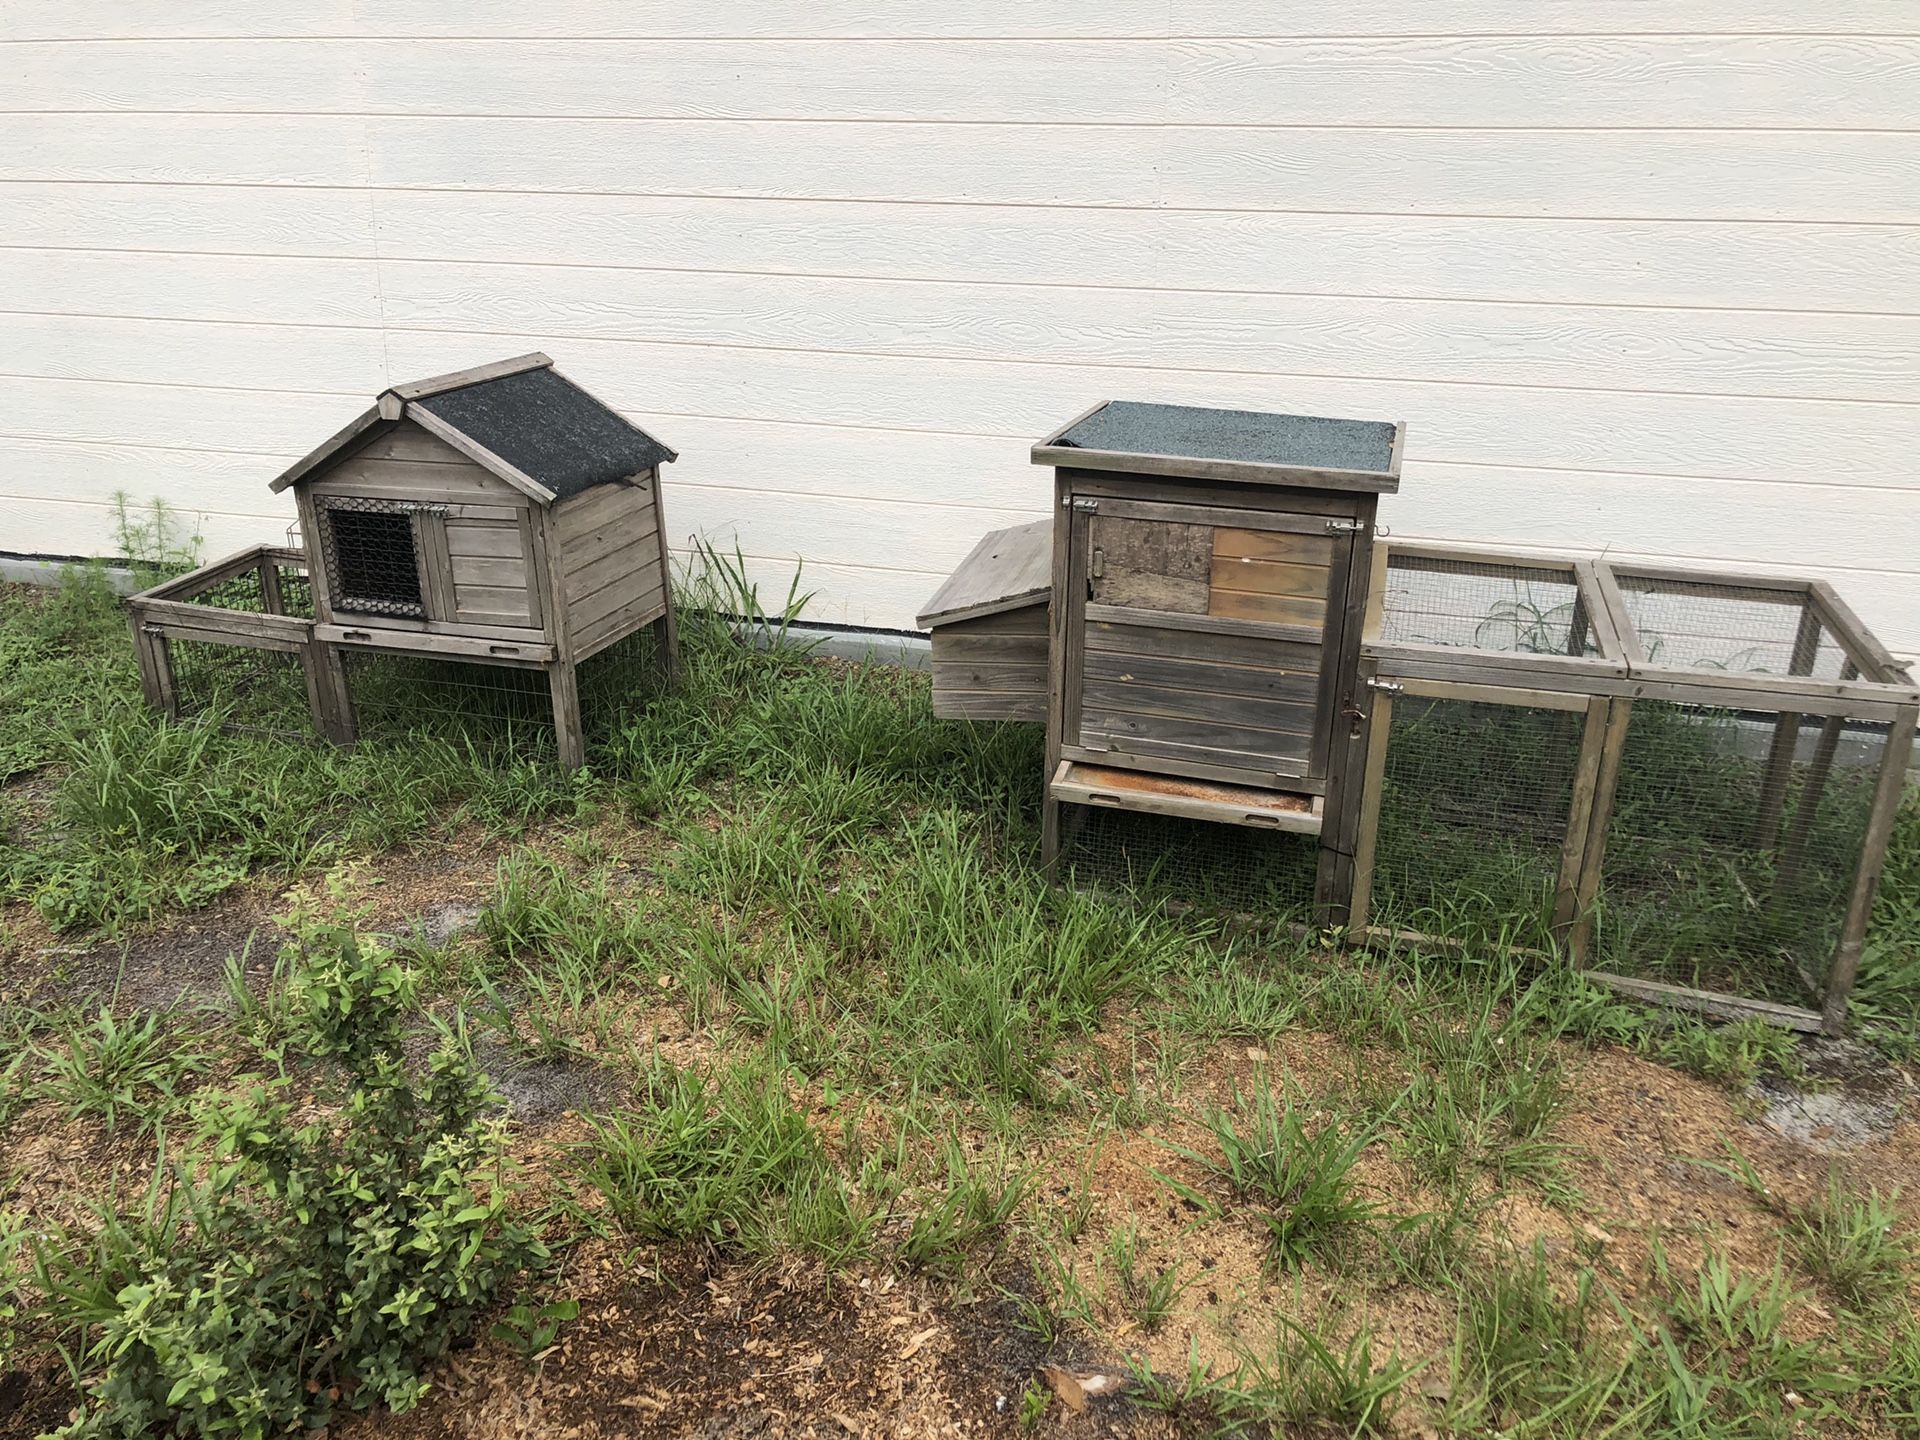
(1201,640)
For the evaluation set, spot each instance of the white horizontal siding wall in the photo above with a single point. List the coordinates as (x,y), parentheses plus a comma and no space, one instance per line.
(1642,275)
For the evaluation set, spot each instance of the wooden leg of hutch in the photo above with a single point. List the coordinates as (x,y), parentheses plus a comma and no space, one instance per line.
(1887,794)
(666,643)
(566,714)
(327,693)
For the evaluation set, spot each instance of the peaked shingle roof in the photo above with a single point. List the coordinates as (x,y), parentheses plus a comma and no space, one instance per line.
(548,429)
(520,418)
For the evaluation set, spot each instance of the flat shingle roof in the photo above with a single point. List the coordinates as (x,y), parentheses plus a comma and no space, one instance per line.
(1199,441)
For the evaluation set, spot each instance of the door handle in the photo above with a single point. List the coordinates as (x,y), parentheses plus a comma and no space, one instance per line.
(1097,564)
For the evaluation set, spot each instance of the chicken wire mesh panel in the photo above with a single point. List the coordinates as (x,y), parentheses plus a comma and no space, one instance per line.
(1733,846)
(1714,625)
(248,591)
(258,692)
(372,560)
(617,683)
(1480,605)
(1180,862)
(495,709)
(1475,802)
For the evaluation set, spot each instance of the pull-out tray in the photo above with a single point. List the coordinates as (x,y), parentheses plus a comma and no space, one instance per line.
(1082,784)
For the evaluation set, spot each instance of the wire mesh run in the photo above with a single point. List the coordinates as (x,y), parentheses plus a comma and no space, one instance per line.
(1733,847)
(497,710)
(371,554)
(1475,803)
(617,683)
(248,691)
(274,587)
(1709,625)
(1177,862)
(1480,605)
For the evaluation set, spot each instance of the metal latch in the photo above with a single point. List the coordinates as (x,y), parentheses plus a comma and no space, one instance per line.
(1385,687)
(1346,527)
(1085,502)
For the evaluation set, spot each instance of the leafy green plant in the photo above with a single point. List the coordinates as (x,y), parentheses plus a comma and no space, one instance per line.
(112,1068)
(287,1266)
(530,1327)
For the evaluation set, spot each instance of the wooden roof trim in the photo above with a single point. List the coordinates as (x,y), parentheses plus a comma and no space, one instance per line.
(479,454)
(1008,569)
(460,379)
(355,431)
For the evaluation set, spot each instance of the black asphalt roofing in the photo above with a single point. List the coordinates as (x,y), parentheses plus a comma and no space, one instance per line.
(1192,432)
(549,429)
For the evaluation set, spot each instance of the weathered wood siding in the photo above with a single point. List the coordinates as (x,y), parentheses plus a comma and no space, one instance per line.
(993,667)
(1641,276)
(489,544)
(609,564)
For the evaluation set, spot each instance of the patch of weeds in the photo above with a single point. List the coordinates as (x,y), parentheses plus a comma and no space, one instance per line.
(1301,1180)
(1228,997)
(1721,1356)
(1307,1383)
(1146,1295)
(1847,1242)
(728,1159)
(285,1269)
(1523,1360)
(113,1069)
(967,1213)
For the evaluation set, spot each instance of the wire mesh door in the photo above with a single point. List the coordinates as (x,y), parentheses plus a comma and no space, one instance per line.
(1477,805)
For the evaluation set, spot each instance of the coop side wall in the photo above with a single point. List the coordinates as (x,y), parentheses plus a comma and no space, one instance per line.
(992,667)
(611,564)
(478,561)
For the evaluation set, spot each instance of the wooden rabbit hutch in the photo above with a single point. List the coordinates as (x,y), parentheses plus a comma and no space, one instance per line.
(499,516)
(1685,781)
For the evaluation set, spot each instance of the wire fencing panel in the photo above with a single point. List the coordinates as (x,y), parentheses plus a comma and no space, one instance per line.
(497,710)
(1479,605)
(1732,851)
(1171,860)
(248,691)
(1474,809)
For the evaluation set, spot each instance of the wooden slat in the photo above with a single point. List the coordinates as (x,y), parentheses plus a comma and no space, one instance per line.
(963,647)
(493,539)
(989,704)
(590,636)
(1223,645)
(473,647)
(1201,677)
(1083,784)
(1300,611)
(1212,708)
(480,570)
(990,675)
(1254,748)
(632,558)
(1268,577)
(1236,543)
(1029,622)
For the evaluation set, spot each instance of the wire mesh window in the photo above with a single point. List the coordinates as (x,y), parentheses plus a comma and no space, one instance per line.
(259,692)
(1702,625)
(1733,846)
(373,562)
(1170,860)
(1475,802)
(1480,605)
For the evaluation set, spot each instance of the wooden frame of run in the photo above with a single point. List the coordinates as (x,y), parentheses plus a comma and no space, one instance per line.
(1872,686)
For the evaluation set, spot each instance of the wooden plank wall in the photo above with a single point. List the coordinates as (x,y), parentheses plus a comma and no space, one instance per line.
(609,563)
(488,557)
(993,667)
(1642,277)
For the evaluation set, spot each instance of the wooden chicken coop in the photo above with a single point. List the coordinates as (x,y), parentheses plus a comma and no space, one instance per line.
(1683,781)
(499,517)
(1210,569)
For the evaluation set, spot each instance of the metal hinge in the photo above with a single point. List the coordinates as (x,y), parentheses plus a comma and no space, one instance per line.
(1346,527)
(1385,687)
(1085,502)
